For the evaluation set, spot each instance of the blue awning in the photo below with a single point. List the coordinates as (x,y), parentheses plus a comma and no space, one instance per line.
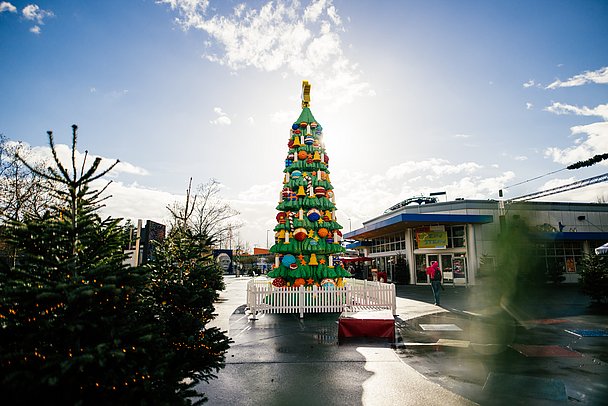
(409,220)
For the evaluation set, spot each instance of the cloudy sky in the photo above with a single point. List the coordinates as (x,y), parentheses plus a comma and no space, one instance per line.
(415,97)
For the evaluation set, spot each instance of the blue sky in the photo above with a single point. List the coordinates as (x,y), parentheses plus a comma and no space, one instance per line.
(466,97)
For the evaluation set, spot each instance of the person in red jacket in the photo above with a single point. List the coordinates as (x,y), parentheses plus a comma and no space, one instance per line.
(434,273)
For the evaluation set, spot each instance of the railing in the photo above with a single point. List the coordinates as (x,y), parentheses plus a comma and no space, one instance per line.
(263,297)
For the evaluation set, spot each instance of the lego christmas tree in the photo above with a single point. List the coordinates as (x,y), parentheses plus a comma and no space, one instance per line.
(307,234)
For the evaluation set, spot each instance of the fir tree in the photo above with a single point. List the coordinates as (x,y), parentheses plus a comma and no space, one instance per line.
(185,281)
(78,325)
(307,235)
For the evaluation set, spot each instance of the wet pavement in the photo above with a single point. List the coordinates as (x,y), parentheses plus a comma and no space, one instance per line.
(536,349)
(470,350)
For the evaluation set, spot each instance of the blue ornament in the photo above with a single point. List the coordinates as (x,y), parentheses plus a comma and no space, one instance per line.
(296,174)
(309,140)
(295,126)
(288,260)
(288,163)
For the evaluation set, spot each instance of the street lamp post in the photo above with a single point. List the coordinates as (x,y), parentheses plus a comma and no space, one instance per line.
(267,231)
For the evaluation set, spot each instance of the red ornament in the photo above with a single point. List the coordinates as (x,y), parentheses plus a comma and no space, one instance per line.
(320,191)
(281,217)
(290,143)
(300,234)
(303,124)
(297,132)
(279,282)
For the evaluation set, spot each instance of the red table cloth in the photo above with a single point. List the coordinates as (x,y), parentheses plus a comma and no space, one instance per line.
(367,323)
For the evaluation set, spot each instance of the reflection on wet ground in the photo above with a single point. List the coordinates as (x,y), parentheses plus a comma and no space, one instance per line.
(500,360)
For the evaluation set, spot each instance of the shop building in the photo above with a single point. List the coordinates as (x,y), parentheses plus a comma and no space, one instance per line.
(461,236)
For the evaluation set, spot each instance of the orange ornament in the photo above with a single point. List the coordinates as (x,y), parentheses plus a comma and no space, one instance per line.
(302,155)
(299,282)
(323,232)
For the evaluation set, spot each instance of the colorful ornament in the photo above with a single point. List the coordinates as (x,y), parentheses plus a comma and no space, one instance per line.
(288,163)
(296,142)
(294,126)
(279,282)
(291,196)
(313,214)
(309,140)
(303,124)
(302,155)
(323,232)
(299,282)
(296,174)
(319,191)
(313,125)
(328,283)
(293,266)
(285,192)
(300,234)
(316,157)
(281,217)
(297,132)
(288,260)
(301,192)
(313,260)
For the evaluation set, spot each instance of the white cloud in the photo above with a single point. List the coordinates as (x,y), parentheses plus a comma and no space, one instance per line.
(521,158)
(595,143)
(64,153)
(34,13)
(221,119)
(599,76)
(462,136)
(281,117)
(529,106)
(136,202)
(433,168)
(35,29)
(277,36)
(6,6)
(560,108)
(529,83)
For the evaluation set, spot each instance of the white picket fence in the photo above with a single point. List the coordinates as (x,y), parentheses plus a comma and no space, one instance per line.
(263,297)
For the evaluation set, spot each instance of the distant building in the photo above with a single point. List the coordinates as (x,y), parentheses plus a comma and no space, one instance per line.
(461,235)
(141,241)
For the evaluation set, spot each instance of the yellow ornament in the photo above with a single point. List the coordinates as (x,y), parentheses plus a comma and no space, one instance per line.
(313,260)
(301,192)
(296,141)
(316,157)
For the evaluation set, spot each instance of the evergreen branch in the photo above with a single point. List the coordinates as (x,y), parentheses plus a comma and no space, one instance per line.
(64,172)
(74,137)
(588,162)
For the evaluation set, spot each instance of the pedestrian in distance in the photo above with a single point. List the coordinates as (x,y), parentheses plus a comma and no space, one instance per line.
(435,275)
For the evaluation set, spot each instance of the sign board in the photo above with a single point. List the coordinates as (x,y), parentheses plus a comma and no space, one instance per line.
(432,239)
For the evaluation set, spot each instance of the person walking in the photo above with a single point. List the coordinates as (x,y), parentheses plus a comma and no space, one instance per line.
(435,275)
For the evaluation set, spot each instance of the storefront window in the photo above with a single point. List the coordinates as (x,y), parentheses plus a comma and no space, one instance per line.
(389,243)
(456,237)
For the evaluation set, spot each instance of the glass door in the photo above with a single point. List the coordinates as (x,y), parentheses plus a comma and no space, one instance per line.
(446,268)
(460,270)
(421,265)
